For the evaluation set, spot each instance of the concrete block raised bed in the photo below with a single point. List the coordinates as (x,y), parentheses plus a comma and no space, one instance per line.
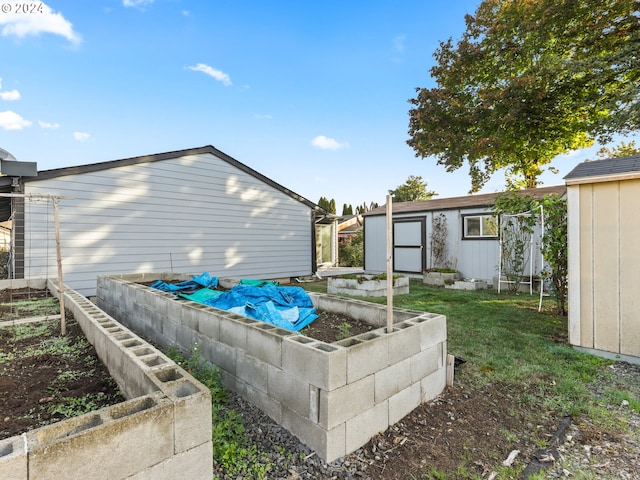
(333,396)
(366,286)
(163,430)
(468,285)
(439,279)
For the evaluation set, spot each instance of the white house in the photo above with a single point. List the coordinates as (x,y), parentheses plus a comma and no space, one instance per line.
(188,211)
(472,234)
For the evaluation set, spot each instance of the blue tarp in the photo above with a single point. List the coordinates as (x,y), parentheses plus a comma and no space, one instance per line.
(198,281)
(286,307)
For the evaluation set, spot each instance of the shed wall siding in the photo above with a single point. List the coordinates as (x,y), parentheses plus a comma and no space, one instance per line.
(629,268)
(609,247)
(189,214)
(473,258)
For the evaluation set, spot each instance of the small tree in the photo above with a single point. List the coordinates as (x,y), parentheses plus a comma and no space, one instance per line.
(412,190)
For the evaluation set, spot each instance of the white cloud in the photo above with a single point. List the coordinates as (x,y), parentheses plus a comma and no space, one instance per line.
(212,72)
(263,116)
(11,95)
(12,121)
(398,43)
(327,143)
(81,136)
(52,126)
(42,20)
(136,3)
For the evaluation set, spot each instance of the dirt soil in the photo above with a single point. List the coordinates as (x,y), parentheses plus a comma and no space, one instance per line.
(44,377)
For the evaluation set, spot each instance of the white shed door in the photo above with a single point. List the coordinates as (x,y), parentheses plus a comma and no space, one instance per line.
(408,245)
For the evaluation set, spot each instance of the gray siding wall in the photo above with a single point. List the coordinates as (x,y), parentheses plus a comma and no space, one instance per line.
(473,258)
(189,214)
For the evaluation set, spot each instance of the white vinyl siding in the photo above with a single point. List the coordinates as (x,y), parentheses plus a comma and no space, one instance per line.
(188,214)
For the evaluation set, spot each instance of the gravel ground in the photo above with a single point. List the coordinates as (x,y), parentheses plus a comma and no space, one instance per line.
(587,451)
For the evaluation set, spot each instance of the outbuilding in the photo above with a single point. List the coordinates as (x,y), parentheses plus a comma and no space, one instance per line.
(191,210)
(468,224)
(604,257)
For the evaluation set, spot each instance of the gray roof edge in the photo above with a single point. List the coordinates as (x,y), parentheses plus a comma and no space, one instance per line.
(157,157)
(605,166)
(484,200)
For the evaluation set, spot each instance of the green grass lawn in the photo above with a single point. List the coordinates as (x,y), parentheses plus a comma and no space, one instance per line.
(505,339)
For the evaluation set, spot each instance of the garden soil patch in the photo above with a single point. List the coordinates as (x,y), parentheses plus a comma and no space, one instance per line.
(45,378)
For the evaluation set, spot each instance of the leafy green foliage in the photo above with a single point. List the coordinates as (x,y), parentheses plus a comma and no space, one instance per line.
(351,251)
(347,209)
(529,80)
(328,205)
(555,250)
(622,150)
(412,190)
(515,232)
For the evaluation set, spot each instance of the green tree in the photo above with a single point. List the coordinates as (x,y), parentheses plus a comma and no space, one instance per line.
(328,205)
(622,150)
(412,190)
(529,79)
(347,209)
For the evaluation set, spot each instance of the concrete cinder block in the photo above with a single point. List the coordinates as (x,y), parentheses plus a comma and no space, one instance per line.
(346,402)
(426,362)
(196,464)
(361,428)
(221,355)
(433,385)
(432,328)
(264,341)
(366,354)
(120,446)
(403,343)
(251,370)
(404,402)
(317,363)
(289,391)
(233,333)
(13,459)
(392,380)
(263,401)
(328,444)
(192,411)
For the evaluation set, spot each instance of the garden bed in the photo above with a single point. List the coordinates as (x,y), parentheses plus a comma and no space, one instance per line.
(366,285)
(47,378)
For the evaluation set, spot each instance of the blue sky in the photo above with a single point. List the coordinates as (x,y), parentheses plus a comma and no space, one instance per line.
(313,95)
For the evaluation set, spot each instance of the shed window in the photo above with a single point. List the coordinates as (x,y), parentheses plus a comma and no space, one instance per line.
(479,226)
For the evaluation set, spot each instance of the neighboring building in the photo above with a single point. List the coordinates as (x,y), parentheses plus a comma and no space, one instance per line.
(604,257)
(472,234)
(186,211)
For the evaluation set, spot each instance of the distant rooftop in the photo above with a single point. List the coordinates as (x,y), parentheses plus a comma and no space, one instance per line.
(610,167)
(467,201)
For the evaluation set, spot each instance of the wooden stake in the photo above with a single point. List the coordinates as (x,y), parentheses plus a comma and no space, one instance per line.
(389,265)
(451,363)
(63,323)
